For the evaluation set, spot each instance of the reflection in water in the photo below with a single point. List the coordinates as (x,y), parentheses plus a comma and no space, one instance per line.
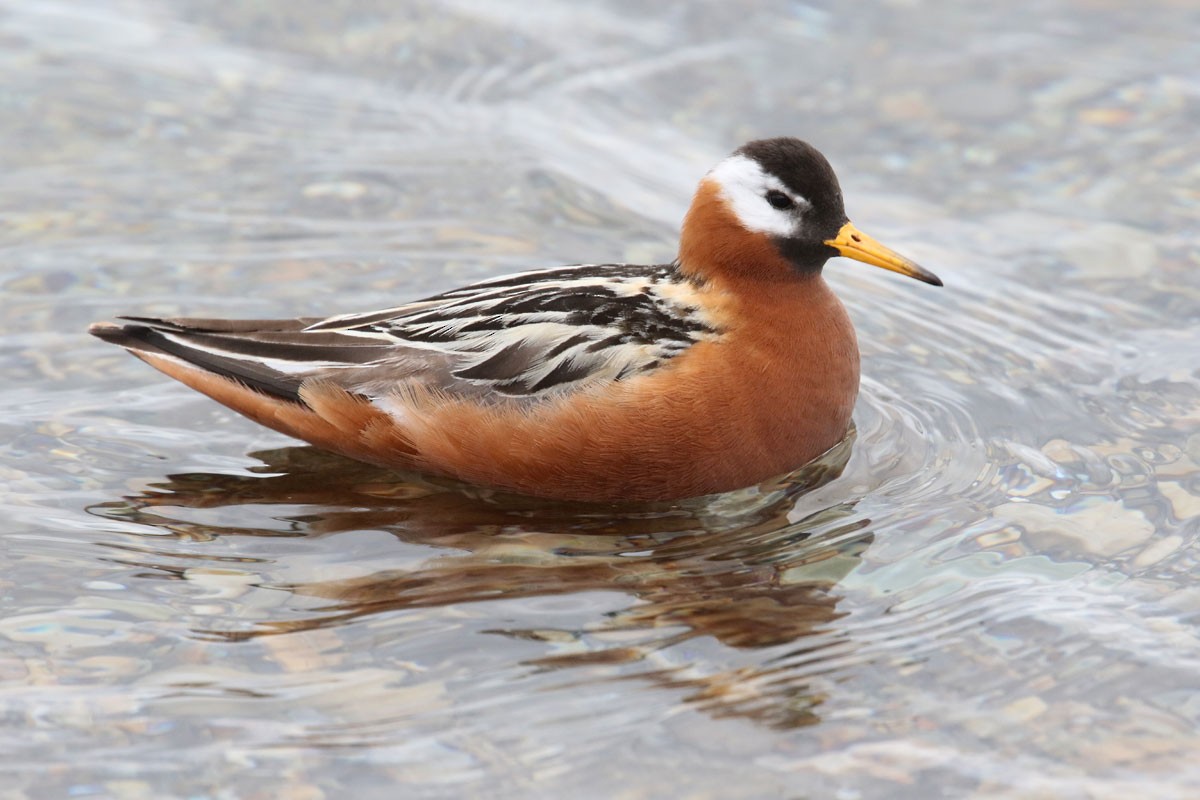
(1026,622)
(749,569)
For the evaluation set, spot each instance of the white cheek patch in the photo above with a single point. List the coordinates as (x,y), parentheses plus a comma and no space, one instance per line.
(744,186)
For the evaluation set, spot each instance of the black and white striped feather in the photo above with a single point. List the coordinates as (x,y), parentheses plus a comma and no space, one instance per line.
(520,336)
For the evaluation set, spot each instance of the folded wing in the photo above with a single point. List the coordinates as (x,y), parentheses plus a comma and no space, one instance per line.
(521,336)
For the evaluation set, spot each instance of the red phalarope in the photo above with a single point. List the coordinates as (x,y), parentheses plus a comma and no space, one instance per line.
(728,366)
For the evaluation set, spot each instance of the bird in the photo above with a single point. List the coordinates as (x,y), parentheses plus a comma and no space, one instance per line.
(731,365)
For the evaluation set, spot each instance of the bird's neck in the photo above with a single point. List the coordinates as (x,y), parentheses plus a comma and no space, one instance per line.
(714,245)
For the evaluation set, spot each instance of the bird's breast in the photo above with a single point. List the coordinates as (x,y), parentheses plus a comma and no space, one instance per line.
(770,392)
(778,387)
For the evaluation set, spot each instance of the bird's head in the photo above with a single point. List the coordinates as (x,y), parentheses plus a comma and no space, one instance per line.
(773,209)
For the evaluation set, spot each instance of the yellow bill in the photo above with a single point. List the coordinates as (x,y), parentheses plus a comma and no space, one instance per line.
(853,243)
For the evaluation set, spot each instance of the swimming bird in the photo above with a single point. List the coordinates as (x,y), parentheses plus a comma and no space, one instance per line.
(730,365)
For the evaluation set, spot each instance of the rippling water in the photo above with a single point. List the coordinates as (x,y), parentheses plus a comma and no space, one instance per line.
(987,592)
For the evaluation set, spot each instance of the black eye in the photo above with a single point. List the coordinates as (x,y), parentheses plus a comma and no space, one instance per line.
(779,200)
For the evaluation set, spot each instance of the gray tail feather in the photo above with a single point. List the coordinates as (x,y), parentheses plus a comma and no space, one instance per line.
(148,338)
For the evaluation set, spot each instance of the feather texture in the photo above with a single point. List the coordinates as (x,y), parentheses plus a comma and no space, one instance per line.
(523,336)
(600,383)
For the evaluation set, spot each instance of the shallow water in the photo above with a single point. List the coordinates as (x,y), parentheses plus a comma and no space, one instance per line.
(994,598)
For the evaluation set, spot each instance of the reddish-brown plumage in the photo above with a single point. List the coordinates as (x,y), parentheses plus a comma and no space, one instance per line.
(714,246)
(585,383)
(330,418)
(774,391)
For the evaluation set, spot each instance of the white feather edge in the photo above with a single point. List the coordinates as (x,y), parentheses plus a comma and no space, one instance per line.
(474,293)
(541,332)
(744,185)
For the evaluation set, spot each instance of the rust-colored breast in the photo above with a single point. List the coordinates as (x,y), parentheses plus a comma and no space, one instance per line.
(771,392)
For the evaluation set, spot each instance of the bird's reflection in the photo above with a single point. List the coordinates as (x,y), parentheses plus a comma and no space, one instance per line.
(752,569)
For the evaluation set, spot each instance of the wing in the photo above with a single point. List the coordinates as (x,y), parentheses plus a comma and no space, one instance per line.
(519,336)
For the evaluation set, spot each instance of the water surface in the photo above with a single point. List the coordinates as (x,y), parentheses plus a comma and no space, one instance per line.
(988,592)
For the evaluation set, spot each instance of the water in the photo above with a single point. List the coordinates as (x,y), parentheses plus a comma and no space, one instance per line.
(994,598)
